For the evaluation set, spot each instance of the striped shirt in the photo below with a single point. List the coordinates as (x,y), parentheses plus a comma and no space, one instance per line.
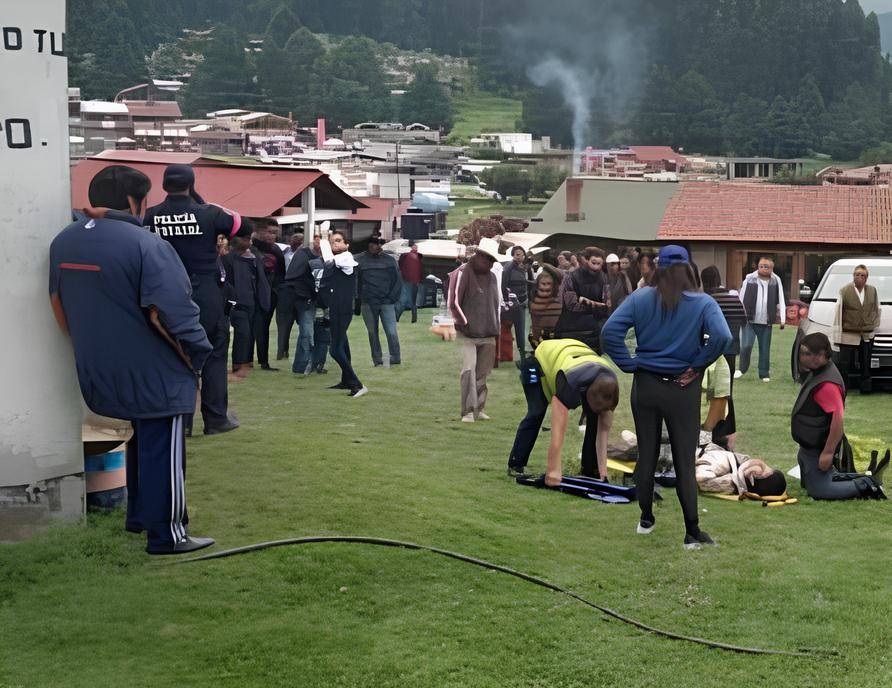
(734,312)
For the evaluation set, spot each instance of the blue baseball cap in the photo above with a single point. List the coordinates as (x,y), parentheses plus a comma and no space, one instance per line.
(672,255)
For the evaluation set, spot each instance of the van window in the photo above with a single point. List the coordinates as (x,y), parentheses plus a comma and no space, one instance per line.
(838,277)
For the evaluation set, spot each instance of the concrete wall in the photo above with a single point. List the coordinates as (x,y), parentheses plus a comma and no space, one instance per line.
(705,255)
(40,405)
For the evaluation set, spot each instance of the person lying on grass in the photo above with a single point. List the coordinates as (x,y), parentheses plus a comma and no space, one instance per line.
(726,472)
(566,374)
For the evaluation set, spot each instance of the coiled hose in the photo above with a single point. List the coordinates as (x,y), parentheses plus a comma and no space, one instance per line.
(385,542)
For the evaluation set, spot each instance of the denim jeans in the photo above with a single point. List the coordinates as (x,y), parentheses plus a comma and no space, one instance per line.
(321,341)
(408,300)
(386,312)
(306,312)
(751,334)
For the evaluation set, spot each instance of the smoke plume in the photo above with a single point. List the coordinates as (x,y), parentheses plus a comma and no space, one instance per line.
(593,53)
(573,90)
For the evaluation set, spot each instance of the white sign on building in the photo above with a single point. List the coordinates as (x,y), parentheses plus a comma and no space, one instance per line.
(40,404)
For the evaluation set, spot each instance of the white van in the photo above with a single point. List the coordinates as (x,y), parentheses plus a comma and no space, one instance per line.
(822,310)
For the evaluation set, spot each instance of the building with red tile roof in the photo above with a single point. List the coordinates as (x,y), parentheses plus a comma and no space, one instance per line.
(660,158)
(726,224)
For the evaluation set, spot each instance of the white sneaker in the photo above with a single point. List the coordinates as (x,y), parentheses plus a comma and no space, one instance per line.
(482,416)
(359,392)
(737,375)
(766,379)
(644,527)
(467,418)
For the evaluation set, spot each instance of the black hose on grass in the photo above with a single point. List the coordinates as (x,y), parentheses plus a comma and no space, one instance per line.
(384,542)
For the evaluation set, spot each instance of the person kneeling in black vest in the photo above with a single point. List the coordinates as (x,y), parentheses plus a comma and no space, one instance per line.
(816,424)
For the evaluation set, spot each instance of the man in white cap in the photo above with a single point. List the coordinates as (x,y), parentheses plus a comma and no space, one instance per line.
(473,301)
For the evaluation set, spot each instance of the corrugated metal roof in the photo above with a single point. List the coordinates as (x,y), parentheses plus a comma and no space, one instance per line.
(157,108)
(103,107)
(251,190)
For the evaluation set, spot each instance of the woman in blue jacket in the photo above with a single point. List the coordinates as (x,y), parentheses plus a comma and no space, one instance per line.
(679,332)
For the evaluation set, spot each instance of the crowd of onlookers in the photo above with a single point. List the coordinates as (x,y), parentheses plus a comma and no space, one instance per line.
(298,286)
(167,281)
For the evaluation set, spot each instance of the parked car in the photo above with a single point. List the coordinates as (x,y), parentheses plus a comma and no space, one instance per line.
(822,310)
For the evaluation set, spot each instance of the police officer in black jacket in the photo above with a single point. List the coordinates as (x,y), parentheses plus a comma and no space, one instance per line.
(264,243)
(192,227)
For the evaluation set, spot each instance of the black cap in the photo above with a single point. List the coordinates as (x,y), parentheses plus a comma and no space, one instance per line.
(377,240)
(178,178)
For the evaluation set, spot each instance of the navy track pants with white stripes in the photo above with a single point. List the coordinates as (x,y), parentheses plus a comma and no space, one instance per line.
(156,464)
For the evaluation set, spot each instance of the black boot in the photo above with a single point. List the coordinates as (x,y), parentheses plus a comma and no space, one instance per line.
(880,468)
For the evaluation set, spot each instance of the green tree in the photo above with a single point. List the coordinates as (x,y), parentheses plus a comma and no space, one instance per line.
(348,84)
(656,121)
(426,100)
(787,130)
(282,25)
(877,155)
(809,103)
(508,180)
(745,127)
(223,79)
(544,113)
(166,62)
(303,52)
(546,180)
(699,114)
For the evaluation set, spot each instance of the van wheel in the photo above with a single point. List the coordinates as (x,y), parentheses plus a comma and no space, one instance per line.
(794,356)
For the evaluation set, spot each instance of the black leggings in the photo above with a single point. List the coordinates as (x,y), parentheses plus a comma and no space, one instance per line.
(657,398)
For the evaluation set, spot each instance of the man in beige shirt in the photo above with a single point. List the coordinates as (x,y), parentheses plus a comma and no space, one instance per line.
(857,316)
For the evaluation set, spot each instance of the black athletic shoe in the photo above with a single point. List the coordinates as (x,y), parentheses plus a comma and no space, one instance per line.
(189,544)
(697,541)
(228,426)
(515,471)
(340,385)
(320,370)
(645,527)
(268,367)
(881,468)
(133,528)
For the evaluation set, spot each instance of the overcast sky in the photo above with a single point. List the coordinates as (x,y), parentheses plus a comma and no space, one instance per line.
(878,6)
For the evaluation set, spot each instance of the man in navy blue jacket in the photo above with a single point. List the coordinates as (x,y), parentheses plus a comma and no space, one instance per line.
(125,299)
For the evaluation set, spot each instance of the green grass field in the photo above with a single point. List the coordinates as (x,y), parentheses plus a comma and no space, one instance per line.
(476,113)
(83,605)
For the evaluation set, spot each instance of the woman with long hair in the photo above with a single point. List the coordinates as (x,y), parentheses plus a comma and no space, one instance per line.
(646,267)
(679,332)
(545,306)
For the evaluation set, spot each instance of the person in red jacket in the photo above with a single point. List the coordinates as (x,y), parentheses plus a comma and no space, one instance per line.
(412,271)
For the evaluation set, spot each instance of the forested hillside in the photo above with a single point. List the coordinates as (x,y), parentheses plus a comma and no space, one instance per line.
(783,77)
